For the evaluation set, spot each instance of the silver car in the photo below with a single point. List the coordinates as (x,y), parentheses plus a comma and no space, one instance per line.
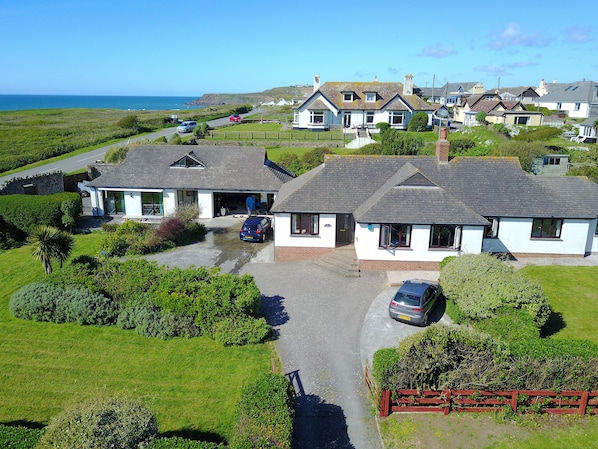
(414,301)
(186,127)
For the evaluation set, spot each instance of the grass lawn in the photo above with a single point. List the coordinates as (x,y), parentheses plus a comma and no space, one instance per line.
(573,293)
(192,385)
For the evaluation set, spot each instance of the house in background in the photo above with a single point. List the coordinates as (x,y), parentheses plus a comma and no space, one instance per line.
(452,94)
(497,111)
(577,100)
(526,95)
(410,212)
(587,128)
(359,105)
(154,180)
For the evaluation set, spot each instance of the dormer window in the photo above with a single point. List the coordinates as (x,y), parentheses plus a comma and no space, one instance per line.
(347,96)
(370,97)
(188,161)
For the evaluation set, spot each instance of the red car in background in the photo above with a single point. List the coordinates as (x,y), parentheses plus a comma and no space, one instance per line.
(235,118)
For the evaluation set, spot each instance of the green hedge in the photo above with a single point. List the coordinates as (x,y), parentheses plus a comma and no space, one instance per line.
(18,437)
(451,357)
(25,212)
(265,414)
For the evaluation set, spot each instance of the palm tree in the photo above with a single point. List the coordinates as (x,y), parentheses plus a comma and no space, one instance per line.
(50,243)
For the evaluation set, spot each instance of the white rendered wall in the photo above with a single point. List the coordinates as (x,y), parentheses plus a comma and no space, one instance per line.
(514,236)
(325,239)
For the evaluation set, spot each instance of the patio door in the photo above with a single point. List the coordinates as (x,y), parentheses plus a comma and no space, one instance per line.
(344,229)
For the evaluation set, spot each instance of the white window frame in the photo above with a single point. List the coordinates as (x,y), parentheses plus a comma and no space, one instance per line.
(370,97)
(313,115)
(347,96)
(398,115)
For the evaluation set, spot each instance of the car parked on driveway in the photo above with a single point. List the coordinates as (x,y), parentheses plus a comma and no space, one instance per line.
(186,127)
(414,301)
(255,229)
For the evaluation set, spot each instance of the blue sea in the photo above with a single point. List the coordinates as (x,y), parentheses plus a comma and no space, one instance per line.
(22,102)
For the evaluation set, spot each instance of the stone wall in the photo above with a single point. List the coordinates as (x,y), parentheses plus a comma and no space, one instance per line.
(44,184)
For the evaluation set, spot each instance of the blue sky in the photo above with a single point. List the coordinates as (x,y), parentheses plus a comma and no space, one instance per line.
(149,47)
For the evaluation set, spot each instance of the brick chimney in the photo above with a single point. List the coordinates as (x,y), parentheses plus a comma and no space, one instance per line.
(442,147)
(316,83)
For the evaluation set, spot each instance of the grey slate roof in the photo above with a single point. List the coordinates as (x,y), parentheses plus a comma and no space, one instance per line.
(581,91)
(224,168)
(464,191)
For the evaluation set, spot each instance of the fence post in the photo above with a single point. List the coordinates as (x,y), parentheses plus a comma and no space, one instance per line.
(385,403)
(447,407)
(583,403)
(514,398)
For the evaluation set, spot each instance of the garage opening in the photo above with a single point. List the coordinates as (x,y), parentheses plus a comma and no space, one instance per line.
(235,202)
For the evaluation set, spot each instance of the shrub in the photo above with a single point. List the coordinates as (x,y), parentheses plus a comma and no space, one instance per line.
(265,414)
(461,145)
(79,305)
(71,210)
(116,155)
(46,302)
(170,229)
(241,330)
(481,285)
(18,437)
(382,126)
(418,123)
(148,320)
(101,423)
(36,301)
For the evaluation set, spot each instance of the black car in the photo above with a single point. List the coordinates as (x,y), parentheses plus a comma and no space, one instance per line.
(414,301)
(255,229)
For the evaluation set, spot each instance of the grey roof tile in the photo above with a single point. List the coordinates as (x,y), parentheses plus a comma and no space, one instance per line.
(468,189)
(224,168)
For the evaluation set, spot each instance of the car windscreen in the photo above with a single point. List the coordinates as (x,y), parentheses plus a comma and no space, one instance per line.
(406,299)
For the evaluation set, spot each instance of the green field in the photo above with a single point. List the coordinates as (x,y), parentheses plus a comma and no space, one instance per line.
(192,385)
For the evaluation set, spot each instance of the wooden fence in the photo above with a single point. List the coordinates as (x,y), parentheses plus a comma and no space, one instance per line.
(281,136)
(520,401)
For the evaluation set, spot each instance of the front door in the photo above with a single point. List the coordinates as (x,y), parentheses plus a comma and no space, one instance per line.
(344,229)
(347,120)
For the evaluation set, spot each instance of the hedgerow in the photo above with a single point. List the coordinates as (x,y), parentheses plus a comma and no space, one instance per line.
(265,414)
(25,212)
(452,357)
